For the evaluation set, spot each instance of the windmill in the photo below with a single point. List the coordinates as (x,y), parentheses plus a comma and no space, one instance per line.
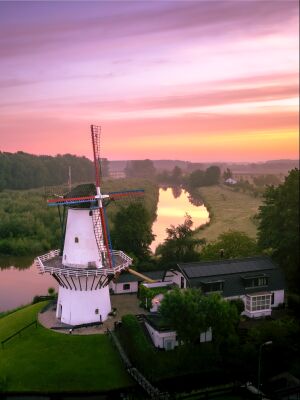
(86,263)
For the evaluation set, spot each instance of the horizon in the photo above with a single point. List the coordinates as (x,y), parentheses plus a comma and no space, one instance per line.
(165,80)
(164,159)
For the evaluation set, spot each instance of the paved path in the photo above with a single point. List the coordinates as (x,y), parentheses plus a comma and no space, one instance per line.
(124,303)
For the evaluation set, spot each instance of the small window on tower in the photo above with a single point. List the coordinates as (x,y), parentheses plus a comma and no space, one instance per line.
(76,240)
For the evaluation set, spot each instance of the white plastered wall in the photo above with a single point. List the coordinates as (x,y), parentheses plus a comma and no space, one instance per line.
(175,277)
(80,226)
(75,307)
(278,297)
(159,338)
(118,288)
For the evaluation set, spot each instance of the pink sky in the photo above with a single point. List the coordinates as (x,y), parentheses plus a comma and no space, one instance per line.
(200,81)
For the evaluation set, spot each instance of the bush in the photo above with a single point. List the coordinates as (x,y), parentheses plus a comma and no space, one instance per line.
(239,304)
(138,348)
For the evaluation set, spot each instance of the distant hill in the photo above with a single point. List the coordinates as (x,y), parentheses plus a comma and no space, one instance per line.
(271,166)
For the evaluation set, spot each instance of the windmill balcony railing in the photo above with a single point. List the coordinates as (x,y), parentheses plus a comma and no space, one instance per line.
(52,263)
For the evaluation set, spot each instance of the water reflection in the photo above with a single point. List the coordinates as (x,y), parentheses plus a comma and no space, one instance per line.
(19,285)
(172,209)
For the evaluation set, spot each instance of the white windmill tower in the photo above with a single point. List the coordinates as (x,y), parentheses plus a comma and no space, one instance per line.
(87,263)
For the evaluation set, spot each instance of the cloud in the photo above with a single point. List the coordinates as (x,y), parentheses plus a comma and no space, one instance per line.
(104,21)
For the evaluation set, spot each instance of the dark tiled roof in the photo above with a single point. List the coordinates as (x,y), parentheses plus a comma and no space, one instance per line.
(233,273)
(85,189)
(127,277)
(157,322)
(221,267)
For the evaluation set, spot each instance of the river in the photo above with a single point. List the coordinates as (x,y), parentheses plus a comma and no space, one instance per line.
(19,277)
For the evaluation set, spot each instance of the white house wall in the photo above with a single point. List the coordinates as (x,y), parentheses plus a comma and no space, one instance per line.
(278,298)
(118,288)
(80,225)
(159,338)
(76,307)
(175,277)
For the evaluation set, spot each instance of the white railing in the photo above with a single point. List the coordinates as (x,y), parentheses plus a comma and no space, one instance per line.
(76,270)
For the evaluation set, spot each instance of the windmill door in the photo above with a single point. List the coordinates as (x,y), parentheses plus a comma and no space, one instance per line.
(59,311)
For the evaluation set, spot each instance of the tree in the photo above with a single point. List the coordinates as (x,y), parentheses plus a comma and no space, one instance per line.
(176,175)
(278,229)
(180,244)
(212,175)
(190,313)
(51,291)
(231,244)
(186,311)
(264,180)
(196,179)
(132,232)
(227,174)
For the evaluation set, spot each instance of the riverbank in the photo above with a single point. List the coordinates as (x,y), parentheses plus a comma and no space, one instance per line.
(28,226)
(228,210)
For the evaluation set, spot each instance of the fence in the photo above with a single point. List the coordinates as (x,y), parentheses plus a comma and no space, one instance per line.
(18,333)
(153,392)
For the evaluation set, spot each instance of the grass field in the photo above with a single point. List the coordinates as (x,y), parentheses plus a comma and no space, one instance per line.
(228,210)
(46,361)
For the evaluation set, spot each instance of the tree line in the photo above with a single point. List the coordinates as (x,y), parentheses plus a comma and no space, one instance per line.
(27,171)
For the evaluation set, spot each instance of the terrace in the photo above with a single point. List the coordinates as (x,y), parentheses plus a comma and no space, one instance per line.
(52,263)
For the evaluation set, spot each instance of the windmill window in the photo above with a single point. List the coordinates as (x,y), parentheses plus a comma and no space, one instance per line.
(76,240)
(97,311)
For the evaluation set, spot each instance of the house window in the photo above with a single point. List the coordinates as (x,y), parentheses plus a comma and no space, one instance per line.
(126,286)
(258,281)
(76,240)
(273,298)
(90,213)
(217,286)
(258,302)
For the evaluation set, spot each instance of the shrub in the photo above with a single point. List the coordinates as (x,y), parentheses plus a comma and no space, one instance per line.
(239,304)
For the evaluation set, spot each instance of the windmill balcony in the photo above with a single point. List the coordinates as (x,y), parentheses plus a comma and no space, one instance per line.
(52,263)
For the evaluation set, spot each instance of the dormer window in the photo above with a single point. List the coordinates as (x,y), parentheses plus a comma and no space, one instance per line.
(76,240)
(255,281)
(213,286)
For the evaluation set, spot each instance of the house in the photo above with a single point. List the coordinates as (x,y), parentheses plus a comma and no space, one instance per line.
(128,283)
(163,336)
(230,181)
(256,280)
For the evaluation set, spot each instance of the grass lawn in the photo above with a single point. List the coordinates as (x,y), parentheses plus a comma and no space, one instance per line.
(229,210)
(43,360)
